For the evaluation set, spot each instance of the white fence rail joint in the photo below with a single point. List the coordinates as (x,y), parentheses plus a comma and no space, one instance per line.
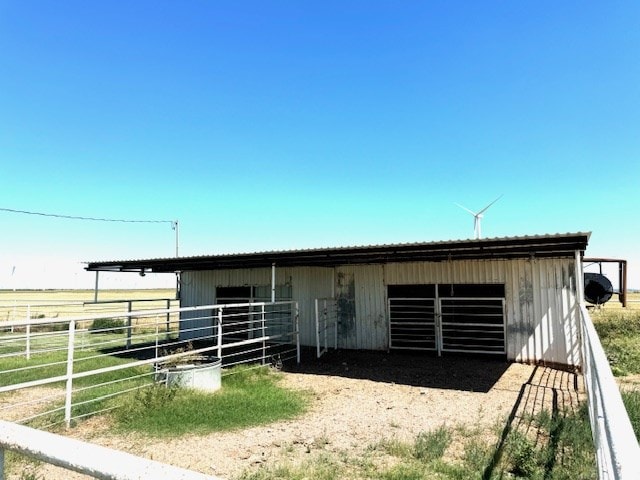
(617,450)
(86,458)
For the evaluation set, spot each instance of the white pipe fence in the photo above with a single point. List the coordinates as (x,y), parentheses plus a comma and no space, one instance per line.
(95,364)
(617,450)
(86,458)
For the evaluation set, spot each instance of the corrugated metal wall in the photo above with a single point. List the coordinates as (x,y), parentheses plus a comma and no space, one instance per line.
(309,283)
(541,306)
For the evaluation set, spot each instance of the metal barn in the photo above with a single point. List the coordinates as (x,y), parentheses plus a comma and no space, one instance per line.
(516,297)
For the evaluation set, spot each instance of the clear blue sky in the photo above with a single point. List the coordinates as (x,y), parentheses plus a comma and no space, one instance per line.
(275,125)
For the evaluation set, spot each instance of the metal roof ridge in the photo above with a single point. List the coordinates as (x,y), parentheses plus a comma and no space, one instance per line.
(354,247)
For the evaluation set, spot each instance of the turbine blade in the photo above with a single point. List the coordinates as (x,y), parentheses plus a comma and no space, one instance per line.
(487,207)
(465,208)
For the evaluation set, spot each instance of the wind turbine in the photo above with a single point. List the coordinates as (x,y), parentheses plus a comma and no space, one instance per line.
(477,216)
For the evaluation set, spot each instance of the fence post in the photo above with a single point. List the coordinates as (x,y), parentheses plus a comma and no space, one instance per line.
(128,326)
(28,333)
(220,333)
(264,334)
(297,334)
(69,390)
(1,463)
(168,320)
(317,329)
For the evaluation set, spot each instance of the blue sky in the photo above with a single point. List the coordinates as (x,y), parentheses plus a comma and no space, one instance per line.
(276,125)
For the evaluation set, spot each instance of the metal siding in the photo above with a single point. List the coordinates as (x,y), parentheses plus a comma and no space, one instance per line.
(371,329)
(541,307)
(309,283)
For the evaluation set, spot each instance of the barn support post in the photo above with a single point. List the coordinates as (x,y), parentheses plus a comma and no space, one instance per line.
(95,291)
(273,282)
(622,268)
(579,278)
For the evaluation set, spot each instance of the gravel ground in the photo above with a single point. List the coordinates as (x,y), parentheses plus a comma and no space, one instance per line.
(358,399)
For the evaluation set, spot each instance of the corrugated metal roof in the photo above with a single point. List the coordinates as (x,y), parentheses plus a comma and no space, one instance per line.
(550,245)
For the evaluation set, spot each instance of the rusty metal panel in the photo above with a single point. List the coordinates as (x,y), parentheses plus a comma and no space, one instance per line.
(368,328)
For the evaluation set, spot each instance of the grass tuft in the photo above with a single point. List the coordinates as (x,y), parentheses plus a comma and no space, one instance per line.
(248,397)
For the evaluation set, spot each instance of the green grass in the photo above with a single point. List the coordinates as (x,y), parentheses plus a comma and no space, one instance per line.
(619,333)
(248,397)
(631,401)
(53,364)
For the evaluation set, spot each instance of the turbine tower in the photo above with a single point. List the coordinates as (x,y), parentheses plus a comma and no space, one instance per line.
(477,216)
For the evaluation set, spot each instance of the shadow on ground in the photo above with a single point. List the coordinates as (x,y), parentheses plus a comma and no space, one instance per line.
(420,369)
(556,392)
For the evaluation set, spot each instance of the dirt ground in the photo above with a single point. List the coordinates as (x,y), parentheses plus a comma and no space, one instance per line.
(359,399)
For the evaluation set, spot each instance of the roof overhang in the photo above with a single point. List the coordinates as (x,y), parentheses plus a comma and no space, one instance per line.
(537,246)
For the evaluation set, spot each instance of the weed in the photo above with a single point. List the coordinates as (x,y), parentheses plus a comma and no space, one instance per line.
(431,445)
(522,456)
(107,325)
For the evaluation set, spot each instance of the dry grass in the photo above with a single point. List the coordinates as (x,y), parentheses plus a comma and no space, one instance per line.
(68,303)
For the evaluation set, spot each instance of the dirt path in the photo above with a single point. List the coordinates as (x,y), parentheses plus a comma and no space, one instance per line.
(356,404)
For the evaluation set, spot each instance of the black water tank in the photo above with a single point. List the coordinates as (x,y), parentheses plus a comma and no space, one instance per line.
(597,288)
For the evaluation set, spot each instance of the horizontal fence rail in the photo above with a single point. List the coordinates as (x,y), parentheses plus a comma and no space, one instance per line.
(86,458)
(617,450)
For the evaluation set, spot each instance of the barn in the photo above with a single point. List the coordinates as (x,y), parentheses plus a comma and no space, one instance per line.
(513,297)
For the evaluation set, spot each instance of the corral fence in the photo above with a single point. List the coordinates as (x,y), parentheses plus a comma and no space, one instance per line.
(617,450)
(86,458)
(57,371)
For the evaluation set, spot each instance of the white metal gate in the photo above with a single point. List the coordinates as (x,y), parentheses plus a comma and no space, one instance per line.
(326,325)
(448,324)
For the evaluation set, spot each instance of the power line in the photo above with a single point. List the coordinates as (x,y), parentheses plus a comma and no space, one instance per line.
(173,223)
(95,219)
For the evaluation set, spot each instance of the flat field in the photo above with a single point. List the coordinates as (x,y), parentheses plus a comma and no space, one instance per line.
(20,304)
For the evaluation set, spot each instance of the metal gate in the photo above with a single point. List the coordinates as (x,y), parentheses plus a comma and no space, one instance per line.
(474,325)
(448,324)
(412,323)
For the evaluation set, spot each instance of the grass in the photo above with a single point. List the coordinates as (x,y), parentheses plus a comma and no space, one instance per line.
(619,333)
(631,401)
(556,447)
(248,397)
